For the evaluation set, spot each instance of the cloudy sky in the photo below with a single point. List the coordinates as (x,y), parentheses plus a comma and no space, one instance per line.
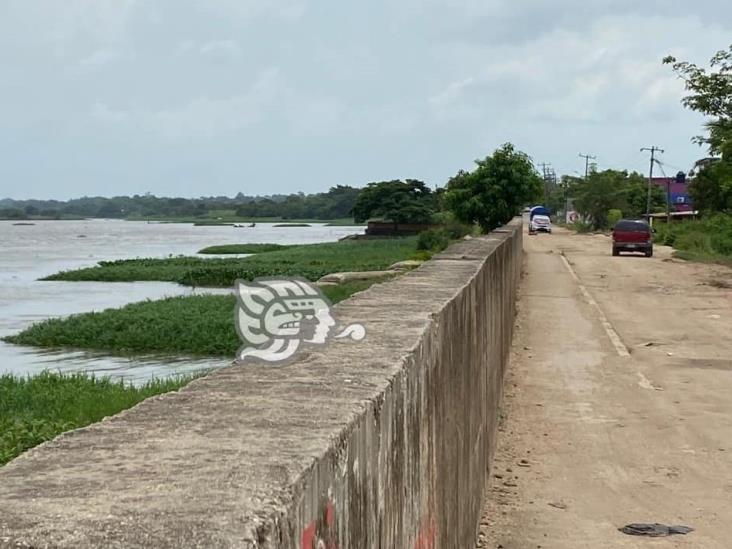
(202,97)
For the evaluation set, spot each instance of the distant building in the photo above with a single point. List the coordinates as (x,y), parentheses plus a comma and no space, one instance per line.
(679,189)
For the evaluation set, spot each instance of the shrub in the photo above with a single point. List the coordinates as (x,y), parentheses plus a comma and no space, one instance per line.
(433,240)
(694,241)
(421,255)
(613,216)
(581,226)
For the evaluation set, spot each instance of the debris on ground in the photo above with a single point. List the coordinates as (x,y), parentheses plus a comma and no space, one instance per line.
(654,530)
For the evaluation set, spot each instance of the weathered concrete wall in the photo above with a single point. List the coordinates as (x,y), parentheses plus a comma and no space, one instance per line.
(384,443)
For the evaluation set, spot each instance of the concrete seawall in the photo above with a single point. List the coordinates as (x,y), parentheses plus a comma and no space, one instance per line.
(383,443)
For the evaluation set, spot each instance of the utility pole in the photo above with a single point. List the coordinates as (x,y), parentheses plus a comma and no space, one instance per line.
(546,172)
(653,150)
(587,158)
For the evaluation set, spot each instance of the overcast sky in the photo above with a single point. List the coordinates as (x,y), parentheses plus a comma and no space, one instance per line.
(208,97)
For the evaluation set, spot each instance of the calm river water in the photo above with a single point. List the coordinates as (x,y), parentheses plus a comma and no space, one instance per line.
(29,252)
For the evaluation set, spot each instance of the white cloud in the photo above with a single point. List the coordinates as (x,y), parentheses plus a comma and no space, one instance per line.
(60,23)
(248,10)
(416,87)
(453,91)
(202,117)
(221,48)
(101,58)
(104,113)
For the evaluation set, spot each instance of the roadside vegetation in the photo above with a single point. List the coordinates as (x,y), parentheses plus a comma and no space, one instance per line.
(38,408)
(707,240)
(199,325)
(605,197)
(495,191)
(311,261)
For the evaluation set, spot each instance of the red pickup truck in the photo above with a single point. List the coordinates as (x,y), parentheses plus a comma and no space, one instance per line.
(630,235)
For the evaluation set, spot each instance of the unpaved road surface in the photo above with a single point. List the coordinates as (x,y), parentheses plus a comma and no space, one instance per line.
(593,438)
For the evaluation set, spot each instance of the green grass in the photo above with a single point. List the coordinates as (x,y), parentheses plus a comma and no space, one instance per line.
(38,408)
(708,240)
(700,257)
(201,325)
(310,261)
(243,248)
(344,223)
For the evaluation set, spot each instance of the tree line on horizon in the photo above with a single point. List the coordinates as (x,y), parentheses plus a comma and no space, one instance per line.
(487,196)
(336,203)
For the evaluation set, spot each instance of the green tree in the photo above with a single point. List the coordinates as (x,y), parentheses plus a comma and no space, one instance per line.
(711,189)
(615,190)
(636,196)
(710,93)
(409,201)
(496,190)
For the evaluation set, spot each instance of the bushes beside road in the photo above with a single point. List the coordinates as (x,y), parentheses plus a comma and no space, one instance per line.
(708,239)
(436,240)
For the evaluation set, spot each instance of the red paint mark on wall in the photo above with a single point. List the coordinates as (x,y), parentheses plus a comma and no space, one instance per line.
(321,533)
(427,538)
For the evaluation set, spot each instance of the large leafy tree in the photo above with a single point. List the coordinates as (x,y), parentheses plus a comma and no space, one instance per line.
(409,201)
(711,189)
(496,190)
(710,93)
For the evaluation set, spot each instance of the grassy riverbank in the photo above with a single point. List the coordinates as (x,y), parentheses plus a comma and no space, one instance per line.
(201,325)
(243,249)
(310,261)
(36,409)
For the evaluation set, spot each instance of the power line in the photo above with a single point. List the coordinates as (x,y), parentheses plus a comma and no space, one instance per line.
(653,150)
(587,158)
(550,178)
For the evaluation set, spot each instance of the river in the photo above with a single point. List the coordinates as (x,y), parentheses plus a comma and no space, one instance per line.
(30,252)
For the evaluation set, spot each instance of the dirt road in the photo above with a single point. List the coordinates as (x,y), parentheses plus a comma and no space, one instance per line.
(618,403)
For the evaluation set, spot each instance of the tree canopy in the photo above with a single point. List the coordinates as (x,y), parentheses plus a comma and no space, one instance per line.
(496,190)
(711,189)
(710,93)
(410,201)
(334,204)
(607,190)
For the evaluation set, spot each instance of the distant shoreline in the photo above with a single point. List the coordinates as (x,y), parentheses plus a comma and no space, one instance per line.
(203,221)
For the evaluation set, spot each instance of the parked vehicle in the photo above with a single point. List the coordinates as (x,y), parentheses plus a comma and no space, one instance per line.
(540,223)
(632,235)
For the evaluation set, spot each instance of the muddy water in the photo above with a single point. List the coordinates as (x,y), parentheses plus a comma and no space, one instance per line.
(29,252)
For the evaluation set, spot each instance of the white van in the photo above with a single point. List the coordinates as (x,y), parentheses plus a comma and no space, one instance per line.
(540,223)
